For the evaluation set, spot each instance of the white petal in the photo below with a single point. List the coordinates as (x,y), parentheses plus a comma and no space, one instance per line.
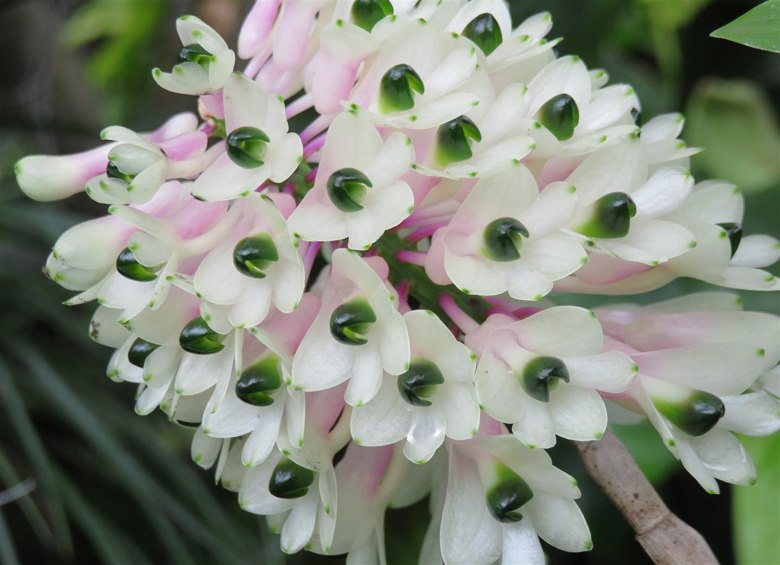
(299,526)
(459,404)
(261,441)
(469,534)
(757,251)
(724,457)
(650,242)
(383,420)
(561,330)
(204,449)
(565,75)
(559,522)
(317,219)
(534,425)
(611,371)
(663,192)
(665,126)
(366,376)
(253,305)
(254,496)
(321,362)
(426,434)
(753,414)
(200,372)
(577,413)
(284,156)
(722,368)
(521,545)
(224,180)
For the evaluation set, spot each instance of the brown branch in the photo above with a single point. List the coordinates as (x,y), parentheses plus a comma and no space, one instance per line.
(666,539)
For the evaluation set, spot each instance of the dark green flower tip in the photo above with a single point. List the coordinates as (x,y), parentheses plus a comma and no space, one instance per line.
(139,351)
(290,480)
(195,53)
(260,379)
(198,337)
(504,238)
(129,267)
(485,32)
(538,377)
(253,255)
(396,91)
(419,383)
(114,172)
(734,232)
(611,217)
(453,140)
(695,415)
(350,322)
(246,147)
(367,13)
(347,188)
(560,115)
(508,494)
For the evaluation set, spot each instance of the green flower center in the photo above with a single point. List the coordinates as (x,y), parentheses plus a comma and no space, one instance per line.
(260,379)
(696,415)
(347,189)
(485,32)
(508,494)
(541,375)
(419,383)
(246,147)
(454,138)
(611,217)
(560,115)
(253,255)
(139,351)
(504,238)
(351,322)
(195,53)
(290,480)
(367,13)
(734,233)
(129,267)
(198,337)
(396,91)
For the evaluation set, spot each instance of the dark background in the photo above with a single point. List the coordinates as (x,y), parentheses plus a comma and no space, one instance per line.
(116,488)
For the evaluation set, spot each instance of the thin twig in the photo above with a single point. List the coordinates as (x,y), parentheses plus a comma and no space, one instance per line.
(666,539)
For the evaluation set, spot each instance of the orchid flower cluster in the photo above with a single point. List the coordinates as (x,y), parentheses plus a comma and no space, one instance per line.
(354,316)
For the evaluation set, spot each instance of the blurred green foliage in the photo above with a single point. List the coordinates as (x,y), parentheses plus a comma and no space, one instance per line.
(116,488)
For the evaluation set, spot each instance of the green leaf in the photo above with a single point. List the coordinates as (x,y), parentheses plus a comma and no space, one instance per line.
(754,509)
(759,28)
(733,121)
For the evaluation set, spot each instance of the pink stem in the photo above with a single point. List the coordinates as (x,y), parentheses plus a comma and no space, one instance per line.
(436,213)
(465,322)
(314,145)
(310,255)
(300,105)
(413,257)
(312,175)
(256,63)
(315,128)
(403,296)
(288,189)
(425,231)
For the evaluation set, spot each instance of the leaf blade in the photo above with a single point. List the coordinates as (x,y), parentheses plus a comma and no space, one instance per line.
(757,28)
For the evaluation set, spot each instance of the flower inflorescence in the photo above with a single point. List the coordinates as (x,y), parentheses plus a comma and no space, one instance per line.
(355,316)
